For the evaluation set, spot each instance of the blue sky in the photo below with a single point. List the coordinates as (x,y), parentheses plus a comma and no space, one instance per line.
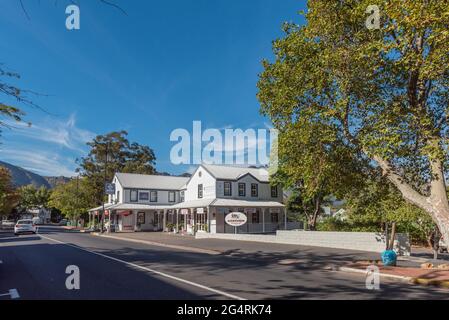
(162,66)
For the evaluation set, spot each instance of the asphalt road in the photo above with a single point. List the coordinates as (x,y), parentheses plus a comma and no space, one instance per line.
(34,267)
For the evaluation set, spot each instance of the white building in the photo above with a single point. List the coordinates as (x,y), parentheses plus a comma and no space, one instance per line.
(199,203)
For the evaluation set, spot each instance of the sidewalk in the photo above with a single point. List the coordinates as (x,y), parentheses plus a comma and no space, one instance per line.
(416,275)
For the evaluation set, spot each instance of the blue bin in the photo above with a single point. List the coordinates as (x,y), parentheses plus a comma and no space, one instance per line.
(389,258)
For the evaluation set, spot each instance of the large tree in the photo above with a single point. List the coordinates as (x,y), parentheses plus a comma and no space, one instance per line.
(9,196)
(111,153)
(314,164)
(384,90)
(74,198)
(32,197)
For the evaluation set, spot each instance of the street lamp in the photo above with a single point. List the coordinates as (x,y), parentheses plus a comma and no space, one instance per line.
(104,185)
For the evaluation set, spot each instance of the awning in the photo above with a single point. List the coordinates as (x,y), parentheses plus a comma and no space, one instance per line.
(106,206)
(138,206)
(201,203)
(246,203)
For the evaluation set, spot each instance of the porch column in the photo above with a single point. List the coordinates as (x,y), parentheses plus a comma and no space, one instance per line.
(263,220)
(194,221)
(177,220)
(164,220)
(208,219)
(285,218)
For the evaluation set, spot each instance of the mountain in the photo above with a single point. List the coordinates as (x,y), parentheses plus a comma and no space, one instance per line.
(56,181)
(22,177)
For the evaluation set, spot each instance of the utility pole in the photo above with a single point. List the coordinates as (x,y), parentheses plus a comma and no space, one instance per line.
(104,186)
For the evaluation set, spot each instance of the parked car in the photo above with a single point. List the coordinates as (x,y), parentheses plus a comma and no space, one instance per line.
(7,224)
(443,246)
(24,226)
(63,222)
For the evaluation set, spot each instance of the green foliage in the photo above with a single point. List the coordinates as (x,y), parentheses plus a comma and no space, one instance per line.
(73,199)
(33,198)
(122,156)
(9,197)
(381,95)
(9,90)
(377,203)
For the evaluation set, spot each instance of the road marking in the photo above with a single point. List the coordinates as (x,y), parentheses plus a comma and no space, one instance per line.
(162,274)
(13,293)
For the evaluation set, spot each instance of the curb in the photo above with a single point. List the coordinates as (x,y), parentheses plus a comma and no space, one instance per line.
(411,280)
(160,244)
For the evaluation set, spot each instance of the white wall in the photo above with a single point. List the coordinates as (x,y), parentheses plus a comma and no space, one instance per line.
(360,241)
(162,197)
(264,190)
(206,180)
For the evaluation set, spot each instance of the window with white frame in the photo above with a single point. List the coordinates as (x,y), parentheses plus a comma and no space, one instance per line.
(274,191)
(200,191)
(242,189)
(171,196)
(153,196)
(144,196)
(133,195)
(254,190)
(181,196)
(227,189)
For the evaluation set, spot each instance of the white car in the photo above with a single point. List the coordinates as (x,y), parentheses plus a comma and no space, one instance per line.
(24,226)
(7,224)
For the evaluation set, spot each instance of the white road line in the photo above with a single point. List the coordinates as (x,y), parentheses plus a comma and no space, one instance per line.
(14,294)
(231,296)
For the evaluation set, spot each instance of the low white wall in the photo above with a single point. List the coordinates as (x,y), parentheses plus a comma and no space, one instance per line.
(362,241)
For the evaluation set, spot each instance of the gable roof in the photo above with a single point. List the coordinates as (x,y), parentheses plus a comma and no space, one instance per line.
(235,173)
(144,181)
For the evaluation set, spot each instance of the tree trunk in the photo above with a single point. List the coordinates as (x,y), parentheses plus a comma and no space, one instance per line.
(392,236)
(436,205)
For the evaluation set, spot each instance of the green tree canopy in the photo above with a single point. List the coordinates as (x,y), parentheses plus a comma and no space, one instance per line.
(385,91)
(33,198)
(122,156)
(9,197)
(73,198)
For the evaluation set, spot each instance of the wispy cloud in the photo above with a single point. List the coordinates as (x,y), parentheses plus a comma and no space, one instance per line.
(48,147)
(63,133)
(43,163)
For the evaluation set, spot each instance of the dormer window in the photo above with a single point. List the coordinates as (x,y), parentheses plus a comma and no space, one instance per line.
(227,189)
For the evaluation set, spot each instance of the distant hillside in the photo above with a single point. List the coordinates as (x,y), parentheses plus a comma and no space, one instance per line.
(22,177)
(56,181)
